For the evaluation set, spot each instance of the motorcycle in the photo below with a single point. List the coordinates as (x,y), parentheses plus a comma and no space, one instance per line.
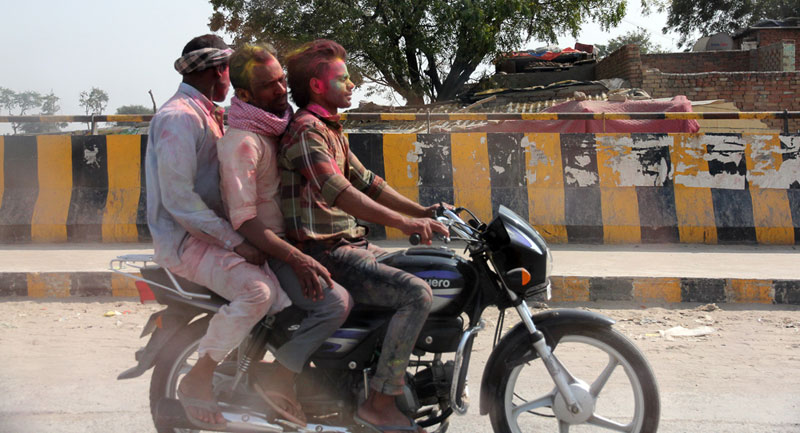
(547,373)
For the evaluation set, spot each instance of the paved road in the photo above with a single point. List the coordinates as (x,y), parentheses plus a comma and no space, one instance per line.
(60,361)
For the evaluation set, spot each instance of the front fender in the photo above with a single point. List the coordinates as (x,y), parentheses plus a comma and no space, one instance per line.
(516,343)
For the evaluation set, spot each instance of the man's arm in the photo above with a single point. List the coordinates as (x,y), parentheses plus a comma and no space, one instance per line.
(175,150)
(359,205)
(239,158)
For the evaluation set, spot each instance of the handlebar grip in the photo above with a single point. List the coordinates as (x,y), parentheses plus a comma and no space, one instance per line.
(415,239)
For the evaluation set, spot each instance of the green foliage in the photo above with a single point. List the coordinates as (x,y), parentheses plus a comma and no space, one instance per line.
(94,101)
(640,37)
(721,16)
(422,49)
(49,106)
(19,103)
(133,109)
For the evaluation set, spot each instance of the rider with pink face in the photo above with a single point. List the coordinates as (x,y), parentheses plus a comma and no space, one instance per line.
(325,188)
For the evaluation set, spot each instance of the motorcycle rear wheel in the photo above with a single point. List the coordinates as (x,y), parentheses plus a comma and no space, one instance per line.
(177,358)
(613,380)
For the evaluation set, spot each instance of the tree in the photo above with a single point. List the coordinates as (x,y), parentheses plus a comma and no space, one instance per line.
(93,101)
(721,16)
(49,106)
(422,49)
(640,37)
(21,101)
(133,109)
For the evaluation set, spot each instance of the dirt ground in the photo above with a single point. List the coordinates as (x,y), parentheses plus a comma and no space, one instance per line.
(60,360)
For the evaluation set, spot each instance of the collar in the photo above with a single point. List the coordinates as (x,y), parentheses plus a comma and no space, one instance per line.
(320,112)
(211,108)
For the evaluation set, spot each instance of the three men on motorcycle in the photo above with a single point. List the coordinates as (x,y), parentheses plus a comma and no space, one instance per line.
(324,188)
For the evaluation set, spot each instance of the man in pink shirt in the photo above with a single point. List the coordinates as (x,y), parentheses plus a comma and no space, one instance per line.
(250,186)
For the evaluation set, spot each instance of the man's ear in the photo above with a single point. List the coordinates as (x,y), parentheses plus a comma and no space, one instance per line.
(243,94)
(317,86)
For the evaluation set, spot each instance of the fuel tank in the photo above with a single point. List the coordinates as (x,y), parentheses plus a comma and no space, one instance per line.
(450,276)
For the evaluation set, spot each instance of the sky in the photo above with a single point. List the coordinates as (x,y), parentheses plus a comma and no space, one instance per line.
(128,48)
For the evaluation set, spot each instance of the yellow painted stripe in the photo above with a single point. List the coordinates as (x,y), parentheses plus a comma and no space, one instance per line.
(471,175)
(619,205)
(539,116)
(124,186)
(48,285)
(2,169)
(545,182)
(466,116)
(694,206)
(399,116)
(751,291)
(401,167)
(123,286)
(570,289)
(772,214)
(49,220)
(657,289)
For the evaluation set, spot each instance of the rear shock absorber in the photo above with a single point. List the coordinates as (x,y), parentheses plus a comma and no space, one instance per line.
(255,347)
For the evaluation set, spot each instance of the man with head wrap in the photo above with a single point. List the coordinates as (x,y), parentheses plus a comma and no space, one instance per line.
(184,214)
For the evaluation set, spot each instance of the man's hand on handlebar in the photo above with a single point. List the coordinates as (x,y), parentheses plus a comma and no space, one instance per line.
(432,211)
(425,227)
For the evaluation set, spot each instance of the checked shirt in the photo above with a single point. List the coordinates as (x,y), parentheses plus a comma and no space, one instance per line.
(317,166)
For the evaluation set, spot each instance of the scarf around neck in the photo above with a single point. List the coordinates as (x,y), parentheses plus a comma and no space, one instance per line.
(251,118)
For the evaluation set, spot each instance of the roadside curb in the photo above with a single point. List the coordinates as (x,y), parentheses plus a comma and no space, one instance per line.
(646,290)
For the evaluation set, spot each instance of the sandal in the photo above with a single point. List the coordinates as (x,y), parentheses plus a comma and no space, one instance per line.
(270,397)
(384,428)
(210,406)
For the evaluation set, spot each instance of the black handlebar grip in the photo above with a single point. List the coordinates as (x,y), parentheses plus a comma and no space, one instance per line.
(415,239)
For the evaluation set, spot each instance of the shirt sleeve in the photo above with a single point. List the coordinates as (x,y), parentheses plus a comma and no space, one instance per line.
(176,152)
(309,154)
(238,160)
(365,180)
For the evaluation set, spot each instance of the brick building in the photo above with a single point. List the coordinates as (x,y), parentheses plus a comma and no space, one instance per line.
(763,78)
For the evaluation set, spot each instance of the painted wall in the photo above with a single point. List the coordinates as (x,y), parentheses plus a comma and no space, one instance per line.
(577,188)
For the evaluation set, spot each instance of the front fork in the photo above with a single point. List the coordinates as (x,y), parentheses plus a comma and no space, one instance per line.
(560,375)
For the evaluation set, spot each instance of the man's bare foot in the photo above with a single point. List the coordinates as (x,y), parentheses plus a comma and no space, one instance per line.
(196,386)
(278,391)
(380,410)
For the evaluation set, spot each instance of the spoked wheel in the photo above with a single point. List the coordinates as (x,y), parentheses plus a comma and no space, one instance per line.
(610,379)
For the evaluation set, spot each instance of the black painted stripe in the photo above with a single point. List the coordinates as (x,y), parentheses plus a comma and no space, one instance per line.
(89,189)
(13,284)
(787,292)
(794,205)
(507,172)
(435,169)
(583,212)
(21,188)
(657,215)
(142,230)
(704,290)
(368,148)
(90,284)
(611,289)
(733,216)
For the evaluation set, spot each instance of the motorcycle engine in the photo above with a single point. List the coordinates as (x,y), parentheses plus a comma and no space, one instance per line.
(432,384)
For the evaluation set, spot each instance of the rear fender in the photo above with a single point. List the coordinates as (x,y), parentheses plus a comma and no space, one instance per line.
(163,325)
(517,342)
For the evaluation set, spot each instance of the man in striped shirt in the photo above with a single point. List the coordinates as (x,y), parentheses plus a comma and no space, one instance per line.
(324,189)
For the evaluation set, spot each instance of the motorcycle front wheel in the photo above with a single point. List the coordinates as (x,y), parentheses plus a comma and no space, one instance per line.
(611,380)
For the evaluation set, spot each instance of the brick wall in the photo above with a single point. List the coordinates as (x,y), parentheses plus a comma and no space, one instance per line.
(750,91)
(624,63)
(779,56)
(708,61)
(771,36)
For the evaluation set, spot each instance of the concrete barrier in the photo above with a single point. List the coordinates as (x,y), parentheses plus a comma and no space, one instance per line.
(576,188)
